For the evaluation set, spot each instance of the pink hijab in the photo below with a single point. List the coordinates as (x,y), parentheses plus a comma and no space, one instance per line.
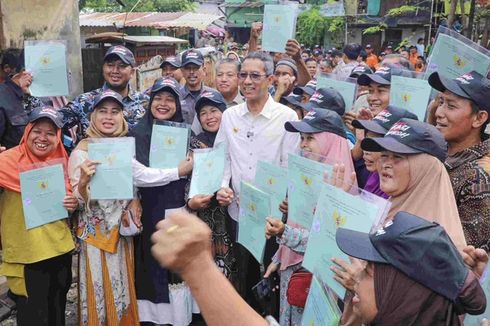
(336,149)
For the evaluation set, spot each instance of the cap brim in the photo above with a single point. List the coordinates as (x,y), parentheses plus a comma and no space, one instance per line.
(300,126)
(193,61)
(357,244)
(302,89)
(387,144)
(369,125)
(441,84)
(292,101)
(366,79)
(173,64)
(308,106)
(165,88)
(58,124)
(120,56)
(108,98)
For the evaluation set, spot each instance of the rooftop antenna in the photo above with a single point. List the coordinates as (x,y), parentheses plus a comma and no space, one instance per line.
(127,13)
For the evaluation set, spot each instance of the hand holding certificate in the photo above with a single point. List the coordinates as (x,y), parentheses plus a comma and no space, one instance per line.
(43,191)
(114,174)
(279,26)
(46,61)
(347,88)
(273,180)
(255,207)
(321,308)
(169,143)
(207,174)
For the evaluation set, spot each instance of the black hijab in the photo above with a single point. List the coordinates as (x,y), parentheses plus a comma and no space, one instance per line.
(207,137)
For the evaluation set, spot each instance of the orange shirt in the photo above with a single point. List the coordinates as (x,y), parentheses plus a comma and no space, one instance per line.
(413,58)
(372,60)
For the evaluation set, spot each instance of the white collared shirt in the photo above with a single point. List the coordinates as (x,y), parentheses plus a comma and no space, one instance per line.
(252,138)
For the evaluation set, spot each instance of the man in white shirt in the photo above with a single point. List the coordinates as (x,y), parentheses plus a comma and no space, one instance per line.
(227,81)
(254,130)
(349,58)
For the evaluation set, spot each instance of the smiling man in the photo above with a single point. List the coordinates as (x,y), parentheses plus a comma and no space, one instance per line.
(118,68)
(462,117)
(227,81)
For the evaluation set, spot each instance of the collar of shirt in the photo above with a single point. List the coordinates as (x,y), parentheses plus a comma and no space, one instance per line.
(131,91)
(468,155)
(266,110)
(184,90)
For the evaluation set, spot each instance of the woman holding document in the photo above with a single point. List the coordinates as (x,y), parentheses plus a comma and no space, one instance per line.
(36,261)
(106,266)
(162,296)
(321,134)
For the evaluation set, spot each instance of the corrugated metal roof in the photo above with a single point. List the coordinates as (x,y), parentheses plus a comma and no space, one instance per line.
(158,20)
(247,4)
(136,39)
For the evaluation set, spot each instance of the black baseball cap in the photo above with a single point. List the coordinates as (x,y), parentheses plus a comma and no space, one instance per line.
(211,97)
(318,120)
(420,249)
(408,136)
(172,60)
(48,112)
(108,94)
(381,76)
(326,98)
(192,56)
(472,86)
(166,84)
(360,70)
(293,99)
(336,53)
(309,88)
(368,46)
(384,120)
(122,53)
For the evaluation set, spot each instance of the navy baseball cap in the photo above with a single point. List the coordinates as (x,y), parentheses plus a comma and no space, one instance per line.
(381,76)
(48,112)
(166,84)
(211,97)
(409,136)
(309,88)
(108,94)
(192,56)
(326,98)
(420,249)
(122,53)
(472,86)
(369,46)
(172,60)
(384,120)
(360,70)
(318,120)
(293,99)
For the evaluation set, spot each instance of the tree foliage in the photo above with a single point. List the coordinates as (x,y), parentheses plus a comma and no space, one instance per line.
(311,26)
(143,5)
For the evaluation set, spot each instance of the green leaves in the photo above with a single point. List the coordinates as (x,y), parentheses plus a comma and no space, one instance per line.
(312,26)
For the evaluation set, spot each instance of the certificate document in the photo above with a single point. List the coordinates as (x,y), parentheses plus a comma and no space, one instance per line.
(279,25)
(208,170)
(336,208)
(347,89)
(272,179)
(410,94)
(320,308)
(43,191)
(46,60)
(113,178)
(168,145)
(255,207)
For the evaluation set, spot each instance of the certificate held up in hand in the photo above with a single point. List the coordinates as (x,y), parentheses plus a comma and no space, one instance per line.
(279,26)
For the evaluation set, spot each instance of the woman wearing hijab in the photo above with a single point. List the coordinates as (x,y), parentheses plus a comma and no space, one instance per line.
(209,110)
(162,296)
(36,261)
(321,134)
(414,275)
(106,266)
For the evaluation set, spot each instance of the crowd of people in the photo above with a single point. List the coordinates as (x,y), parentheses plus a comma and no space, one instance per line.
(167,258)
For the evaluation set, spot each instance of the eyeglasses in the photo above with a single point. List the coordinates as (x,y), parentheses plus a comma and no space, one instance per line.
(254,76)
(116,66)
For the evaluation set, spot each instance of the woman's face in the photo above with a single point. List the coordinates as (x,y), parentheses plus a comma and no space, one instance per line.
(163,106)
(309,143)
(42,139)
(210,118)
(394,173)
(107,117)
(364,300)
(371,158)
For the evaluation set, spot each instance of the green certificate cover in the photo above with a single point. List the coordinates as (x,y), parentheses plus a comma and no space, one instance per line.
(279,25)
(345,88)
(43,191)
(410,94)
(113,178)
(336,208)
(168,146)
(255,207)
(273,180)
(305,179)
(320,309)
(208,170)
(46,60)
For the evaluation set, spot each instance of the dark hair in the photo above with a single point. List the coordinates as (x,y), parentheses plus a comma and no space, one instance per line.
(265,58)
(8,57)
(474,110)
(352,51)
(327,62)
(400,60)
(230,61)
(363,55)
(420,39)
(309,59)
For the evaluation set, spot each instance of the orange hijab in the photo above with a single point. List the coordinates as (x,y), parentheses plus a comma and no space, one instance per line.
(20,158)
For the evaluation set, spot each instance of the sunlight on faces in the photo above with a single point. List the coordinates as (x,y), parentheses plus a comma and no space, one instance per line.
(311,66)
(378,98)
(117,73)
(254,89)
(210,118)
(371,158)
(394,173)
(193,74)
(107,119)
(42,139)
(364,300)
(227,78)
(163,106)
